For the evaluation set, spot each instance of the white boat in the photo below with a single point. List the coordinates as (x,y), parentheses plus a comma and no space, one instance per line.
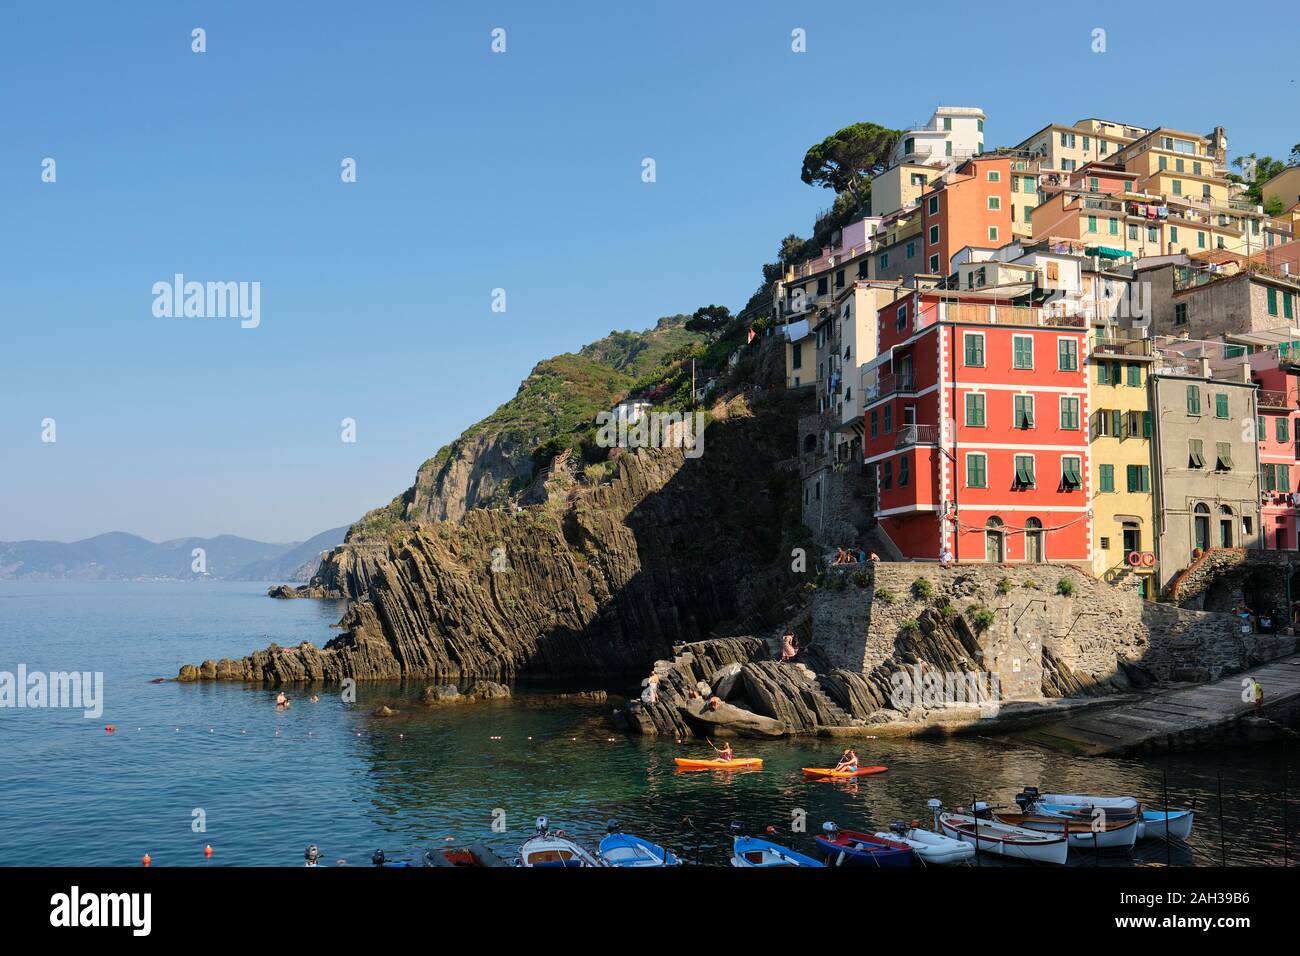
(1086,800)
(548,849)
(1154,825)
(1001,839)
(931,848)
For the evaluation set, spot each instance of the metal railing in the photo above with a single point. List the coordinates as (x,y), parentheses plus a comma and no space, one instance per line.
(1268,398)
(916,435)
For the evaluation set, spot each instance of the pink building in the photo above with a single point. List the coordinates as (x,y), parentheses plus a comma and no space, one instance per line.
(1277,418)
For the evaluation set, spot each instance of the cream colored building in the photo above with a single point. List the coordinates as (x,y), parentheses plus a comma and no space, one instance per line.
(952,134)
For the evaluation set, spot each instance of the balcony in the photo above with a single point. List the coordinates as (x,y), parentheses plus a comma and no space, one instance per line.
(889,385)
(909,435)
(956,310)
(1273,399)
(1133,348)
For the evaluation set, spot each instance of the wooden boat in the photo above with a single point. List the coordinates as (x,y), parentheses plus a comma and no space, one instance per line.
(735,763)
(1159,825)
(830,773)
(1001,839)
(475,855)
(933,849)
(850,848)
(624,849)
(1084,800)
(751,851)
(1151,824)
(554,850)
(1102,834)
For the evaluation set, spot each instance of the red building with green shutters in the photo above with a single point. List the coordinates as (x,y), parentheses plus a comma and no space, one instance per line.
(976,424)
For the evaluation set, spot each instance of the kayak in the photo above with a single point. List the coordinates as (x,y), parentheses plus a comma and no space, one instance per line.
(735,763)
(849,848)
(1001,839)
(830,773)
(751,851)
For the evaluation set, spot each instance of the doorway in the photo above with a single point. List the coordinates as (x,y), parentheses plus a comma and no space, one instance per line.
(995,541)
(1034,541)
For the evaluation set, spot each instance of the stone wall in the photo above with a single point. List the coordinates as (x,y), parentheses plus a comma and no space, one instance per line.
(1039,642)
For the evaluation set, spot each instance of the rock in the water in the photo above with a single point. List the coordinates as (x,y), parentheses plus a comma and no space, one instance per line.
(383,710)
(727,719)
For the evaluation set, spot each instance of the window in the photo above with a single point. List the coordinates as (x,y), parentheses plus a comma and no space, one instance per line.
(1220,405)
(1195,453)
(1103,373)
(1071,476)
(1180,313)
(1023,351)
(1068,353)
(934,235)
(1133,375)
(1053,271)
(918,179)
(1261,433)
(901,317)
(1113,226)
(975,409)
(823,285)
(933,205)
(1178,187)
(1223,456)
(1024,411)
(1193,400)
(1024,471)
(977,474)
(1139,477)
(884,261)
(1153,234)
(1092,223)
(911,249)
(875,423)
(1015,184)
(902,471)
(1106,478)
(1272,301)
(1069,413)
(886,475)
(1164,162)
(1283,429)
(934,264)
(839,279)
(974,347)
(995,203)
(947,122)
(889,419)
(796,357)
(1094,184)
(1133,232)
(994,177)
(1200,240)
(993,233)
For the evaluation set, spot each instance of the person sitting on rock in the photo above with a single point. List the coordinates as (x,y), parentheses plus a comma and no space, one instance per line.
(714,702)
(848,763)
(788,648)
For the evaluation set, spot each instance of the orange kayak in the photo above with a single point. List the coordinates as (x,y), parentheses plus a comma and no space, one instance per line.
(831,773)
(734,763)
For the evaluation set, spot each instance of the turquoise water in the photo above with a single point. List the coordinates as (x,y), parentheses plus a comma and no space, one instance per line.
(268,782)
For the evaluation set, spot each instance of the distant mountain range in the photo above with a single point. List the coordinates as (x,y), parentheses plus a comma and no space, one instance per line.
(118,556)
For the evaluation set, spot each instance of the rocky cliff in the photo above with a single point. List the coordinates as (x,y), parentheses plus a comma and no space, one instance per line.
(602,578)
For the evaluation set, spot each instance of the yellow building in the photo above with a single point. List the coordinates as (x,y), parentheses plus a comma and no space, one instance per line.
(900,186)
(1121,426)
(1284,188)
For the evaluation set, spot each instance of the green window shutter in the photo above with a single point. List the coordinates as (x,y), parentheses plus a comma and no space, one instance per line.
(1220,405)
(1145,472)
(1272,301)
(1146,424)
(1131,476)
(1261,432)
(1283,429)
(1116,423)
(1267,479)
(1284,478)
(1135,375)
(1103,373)
(1106,477)
(1287,297)
(1195,454)
(1193,400)
(1223,455)
(976,472)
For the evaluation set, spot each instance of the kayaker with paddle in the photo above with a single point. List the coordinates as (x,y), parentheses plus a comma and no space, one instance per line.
(725,753)
(848,763)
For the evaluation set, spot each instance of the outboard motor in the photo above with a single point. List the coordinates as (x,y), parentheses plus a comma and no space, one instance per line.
(981,810)
(378,858)
(613,826)
(830,828)
(736,828)
(1031,793)
(542,826)
(935,806)
(312,856)
(899,827)
(1025,802)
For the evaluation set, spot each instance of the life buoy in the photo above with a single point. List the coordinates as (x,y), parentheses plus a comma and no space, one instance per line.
(1148,559)
(1134,558)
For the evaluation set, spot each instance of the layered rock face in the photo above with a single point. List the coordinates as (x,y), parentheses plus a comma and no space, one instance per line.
(602,580)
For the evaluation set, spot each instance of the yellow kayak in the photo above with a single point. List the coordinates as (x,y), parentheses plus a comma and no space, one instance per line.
(735,763)
(833,774)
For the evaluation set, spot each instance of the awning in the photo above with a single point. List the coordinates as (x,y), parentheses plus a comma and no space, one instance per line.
(1071,473)
(1266,338)
(1024,471)
(1197,458)
(1106,252)
(1224,455)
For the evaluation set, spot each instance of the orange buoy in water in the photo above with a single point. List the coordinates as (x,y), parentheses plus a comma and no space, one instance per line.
(146,859)
(109,728)
(207,850)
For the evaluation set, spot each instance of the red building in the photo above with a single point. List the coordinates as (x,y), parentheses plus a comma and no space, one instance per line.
(1278,415)
(976,422)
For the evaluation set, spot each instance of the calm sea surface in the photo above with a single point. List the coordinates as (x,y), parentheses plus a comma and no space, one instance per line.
(267,783)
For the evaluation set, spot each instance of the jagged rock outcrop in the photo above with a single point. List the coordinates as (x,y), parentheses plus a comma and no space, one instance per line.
(451,694)
(603,583)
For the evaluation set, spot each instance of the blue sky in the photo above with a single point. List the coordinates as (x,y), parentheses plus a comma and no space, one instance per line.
(475,171)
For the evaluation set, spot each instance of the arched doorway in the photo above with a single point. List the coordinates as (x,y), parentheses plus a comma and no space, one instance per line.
(1034,541)
(1201,527)
(1226,521)
(995,540)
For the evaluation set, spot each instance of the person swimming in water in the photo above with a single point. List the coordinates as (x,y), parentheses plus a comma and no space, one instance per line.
(281,701)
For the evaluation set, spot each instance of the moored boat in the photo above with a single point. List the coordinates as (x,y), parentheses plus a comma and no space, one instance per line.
(1151,824)
(625,849)
(1101,834)
(1001,839)
(548,849)
(850,848)
(475,855)
(748,851)
(1159,825)
(933,849)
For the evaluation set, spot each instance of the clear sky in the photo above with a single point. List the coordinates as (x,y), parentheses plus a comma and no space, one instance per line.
(475,171)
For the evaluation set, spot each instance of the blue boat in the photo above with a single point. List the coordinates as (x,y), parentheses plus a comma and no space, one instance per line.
(849,848)
(751,851)
(624,849)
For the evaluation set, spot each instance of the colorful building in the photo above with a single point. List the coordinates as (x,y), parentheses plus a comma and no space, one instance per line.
(970,206)
(1278,417)
(976,419)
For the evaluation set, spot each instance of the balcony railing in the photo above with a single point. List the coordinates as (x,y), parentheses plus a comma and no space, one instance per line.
(1267,398)
(1128,347)
(917,435)
(888,385)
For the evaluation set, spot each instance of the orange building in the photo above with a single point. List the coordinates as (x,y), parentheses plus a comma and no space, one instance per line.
(971,206)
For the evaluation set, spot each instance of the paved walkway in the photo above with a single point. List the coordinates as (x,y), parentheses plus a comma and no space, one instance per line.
(1151,721)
